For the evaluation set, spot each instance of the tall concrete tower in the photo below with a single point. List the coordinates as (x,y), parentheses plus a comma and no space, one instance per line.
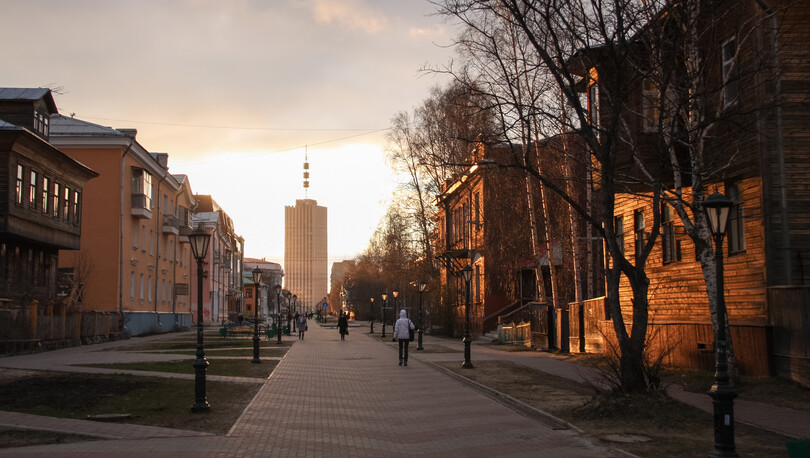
(305,250)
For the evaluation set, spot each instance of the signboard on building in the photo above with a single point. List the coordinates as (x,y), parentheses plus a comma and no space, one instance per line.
(181,289)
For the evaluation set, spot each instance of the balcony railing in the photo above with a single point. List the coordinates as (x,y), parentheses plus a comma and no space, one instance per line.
(171,224)
(141,206)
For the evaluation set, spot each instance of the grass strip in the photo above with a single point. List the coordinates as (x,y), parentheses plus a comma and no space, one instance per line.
(223,367)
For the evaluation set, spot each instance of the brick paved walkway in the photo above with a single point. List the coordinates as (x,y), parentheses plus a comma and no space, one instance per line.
(329,398)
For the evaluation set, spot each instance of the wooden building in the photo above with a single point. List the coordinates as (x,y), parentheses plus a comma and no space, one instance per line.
(41,210)
(756,152)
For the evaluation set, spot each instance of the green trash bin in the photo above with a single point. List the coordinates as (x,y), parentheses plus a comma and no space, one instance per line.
(798,448)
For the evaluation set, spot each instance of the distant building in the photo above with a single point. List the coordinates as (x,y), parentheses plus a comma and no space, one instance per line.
(40,212)
(135,252)
(272,275)
(223,282)
(338,296)
(305,255)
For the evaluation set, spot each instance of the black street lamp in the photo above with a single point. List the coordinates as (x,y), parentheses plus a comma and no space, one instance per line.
(278,313)
(371,317)
(717,207)
(293,311)
(384,306)
(422,285)
(257,279)
(199,239)
(467,273)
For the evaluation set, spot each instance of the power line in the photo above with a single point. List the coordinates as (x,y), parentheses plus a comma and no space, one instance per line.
(207,126)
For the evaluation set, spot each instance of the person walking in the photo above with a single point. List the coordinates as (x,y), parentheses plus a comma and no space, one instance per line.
(402,333)
(343,326)
(302,325)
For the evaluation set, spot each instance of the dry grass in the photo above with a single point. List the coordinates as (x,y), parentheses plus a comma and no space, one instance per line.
(674,429)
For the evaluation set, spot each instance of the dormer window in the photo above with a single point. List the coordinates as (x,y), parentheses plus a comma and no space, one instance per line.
(41,123)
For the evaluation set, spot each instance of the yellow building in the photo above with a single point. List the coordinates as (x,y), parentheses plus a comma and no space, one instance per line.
(305,255)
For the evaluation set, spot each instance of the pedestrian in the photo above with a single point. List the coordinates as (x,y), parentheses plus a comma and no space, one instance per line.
(402,333)
(343,326)
(295,320)
(302,326)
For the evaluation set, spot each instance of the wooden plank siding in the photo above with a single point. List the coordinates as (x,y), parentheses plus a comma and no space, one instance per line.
(677,289)
(679,305)
(790,315)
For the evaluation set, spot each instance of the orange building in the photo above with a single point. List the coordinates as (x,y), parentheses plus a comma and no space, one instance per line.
(134,258)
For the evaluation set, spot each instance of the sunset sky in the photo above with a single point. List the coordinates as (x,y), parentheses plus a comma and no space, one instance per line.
(234,90)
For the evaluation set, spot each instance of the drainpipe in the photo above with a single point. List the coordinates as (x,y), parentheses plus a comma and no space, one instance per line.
(121,232)
(780,151)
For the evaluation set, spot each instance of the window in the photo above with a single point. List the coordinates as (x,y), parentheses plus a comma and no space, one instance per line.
(77,207)
(32,190)
(150,288)
(41,121)
(249,292)
(143,238)
(66,204)
(618,228)
(638,227)
(135,235)
(20,174)
(477,283)
(736,222)
(55,200)
(142,186)
(162,290)
(731,75)
(132,285)
(593,104)
(151,242)
(650,106)
(141,293)
(46,187)
(477,203)
(668,234)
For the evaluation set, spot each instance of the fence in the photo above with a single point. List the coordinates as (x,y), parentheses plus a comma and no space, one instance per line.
(25,327)
(515,333)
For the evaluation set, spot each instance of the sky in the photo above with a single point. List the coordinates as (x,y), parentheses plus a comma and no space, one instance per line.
(235,92)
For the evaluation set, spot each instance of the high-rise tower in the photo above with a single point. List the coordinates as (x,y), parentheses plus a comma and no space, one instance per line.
(305,250)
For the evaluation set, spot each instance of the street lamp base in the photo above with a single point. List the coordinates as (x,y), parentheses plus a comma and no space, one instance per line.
(201,407)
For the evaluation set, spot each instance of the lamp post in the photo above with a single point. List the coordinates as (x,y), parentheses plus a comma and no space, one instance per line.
(422,285)
(371,317)
(257,279)
(293,311)
(396,295)
(467,273)
(199,240)
(717,207)
(278,313)
(384,306)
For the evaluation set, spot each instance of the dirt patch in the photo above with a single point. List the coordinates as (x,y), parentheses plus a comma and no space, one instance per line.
(150,401)
(666,426)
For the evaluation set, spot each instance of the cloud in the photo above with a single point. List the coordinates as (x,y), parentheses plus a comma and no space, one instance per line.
(351,14)
(435,31)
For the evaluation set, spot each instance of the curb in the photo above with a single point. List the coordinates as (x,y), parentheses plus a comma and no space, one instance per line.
(514,404)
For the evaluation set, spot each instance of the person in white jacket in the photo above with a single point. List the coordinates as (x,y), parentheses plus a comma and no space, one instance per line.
(402,333)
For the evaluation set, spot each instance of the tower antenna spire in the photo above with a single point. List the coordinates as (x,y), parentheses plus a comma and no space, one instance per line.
(306,173)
